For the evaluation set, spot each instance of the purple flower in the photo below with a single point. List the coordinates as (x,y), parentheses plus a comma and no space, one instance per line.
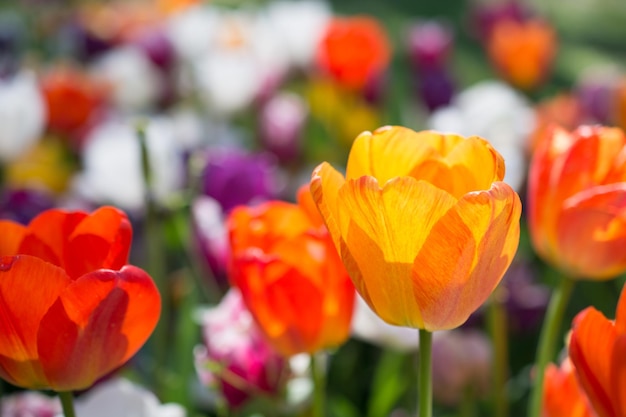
(526,300)
(210,235)
(235,356)
(30,404)
(234,177)
(430,44)
(487,14)
(435,87)
(281,121)
(22,205)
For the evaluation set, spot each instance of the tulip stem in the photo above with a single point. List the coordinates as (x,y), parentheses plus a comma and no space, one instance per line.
(67,402)
(318,372)
(425,375)
(498,328)
(547,341)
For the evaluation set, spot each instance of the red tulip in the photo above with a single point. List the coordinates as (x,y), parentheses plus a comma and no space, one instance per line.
(598,350)
(562,394)
(70,310)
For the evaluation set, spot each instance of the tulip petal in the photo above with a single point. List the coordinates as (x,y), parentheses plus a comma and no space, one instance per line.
(22,278)
(100,240)
(620,314)
(618,375)
(97,324)
(466,255)
(592,232)
(591,349)
(12,234)
(383,230)
(307,204)
(325,185)
(370,153)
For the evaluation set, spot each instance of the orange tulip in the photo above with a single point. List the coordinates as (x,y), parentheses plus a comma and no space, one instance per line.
(577,201)
(290,276)
(562,394)
(522,51)
(70,311)
(598,350)
(423,223)
(354,51)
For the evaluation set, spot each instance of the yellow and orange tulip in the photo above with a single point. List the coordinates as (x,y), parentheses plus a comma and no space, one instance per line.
(290,276)
(577,201)
(598,350)
(71,311)
(423,223)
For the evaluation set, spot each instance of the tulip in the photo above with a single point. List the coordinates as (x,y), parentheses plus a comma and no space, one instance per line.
(281,124)
(598,351)
(563,396)
(522,51)
(577,201)
(423,223)
(29,404)
(72,310)
(22,205)
(290,276)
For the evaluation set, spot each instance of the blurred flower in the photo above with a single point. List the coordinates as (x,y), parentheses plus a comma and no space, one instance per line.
(290,276)
(562,394)
(137,84)
(525,299)
(22,205)
(236,355)
(121,398)
(522,52)
(155,44)
(430,44)
(46,165)
(435,88)
(494,111)
(235,177)
(191,31)
(112,170)
(565,110)
(210,234)
(462,361)
(65,273)
(281,122)
(29,404)
(598,351)
(596,93)
(22,114)
(367,326)
(73,100)
(300,26)
(423,222)
(487,14)
(12,40)
(576,201)
(353,51)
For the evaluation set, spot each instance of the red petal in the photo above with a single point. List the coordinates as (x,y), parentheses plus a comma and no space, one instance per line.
(99,322)
(28,287)
(618,375)
(12,234)
(591,348)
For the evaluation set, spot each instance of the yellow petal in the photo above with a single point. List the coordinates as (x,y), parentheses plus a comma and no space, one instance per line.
(325,184)
(382,232)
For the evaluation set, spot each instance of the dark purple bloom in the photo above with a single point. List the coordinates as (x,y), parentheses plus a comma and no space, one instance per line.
(430,44)
(234,177)
(23,205)
(525,299)
(157,47)
(435,88)
(597,95)
(486,16)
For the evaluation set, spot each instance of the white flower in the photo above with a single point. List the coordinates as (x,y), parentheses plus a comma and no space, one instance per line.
(300,26)
(496,112)
(112,163)
(367,326)
(121,398)
(22,114)
(136,81)
(192,30)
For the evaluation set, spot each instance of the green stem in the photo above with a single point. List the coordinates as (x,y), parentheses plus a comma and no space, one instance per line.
(67,402)
(425,376)
(318,372)
(498,328)
(547,341)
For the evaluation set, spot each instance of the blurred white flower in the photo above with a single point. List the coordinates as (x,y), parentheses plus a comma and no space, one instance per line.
(367,326)
(136,82)
(112,170)
(496,112)
(300,26)
(121,398)
(192,30)
(22,114)
(29,404)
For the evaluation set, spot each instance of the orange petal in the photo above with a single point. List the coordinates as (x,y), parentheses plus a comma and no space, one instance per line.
(592,232)
(100,240)
(105,317)
(390,152)
(307,204)
(12,234)
(618,375)
(383,231)
(325,185)
(591,349)
(466,255)
(620,314)
(563,396)
(28,287)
